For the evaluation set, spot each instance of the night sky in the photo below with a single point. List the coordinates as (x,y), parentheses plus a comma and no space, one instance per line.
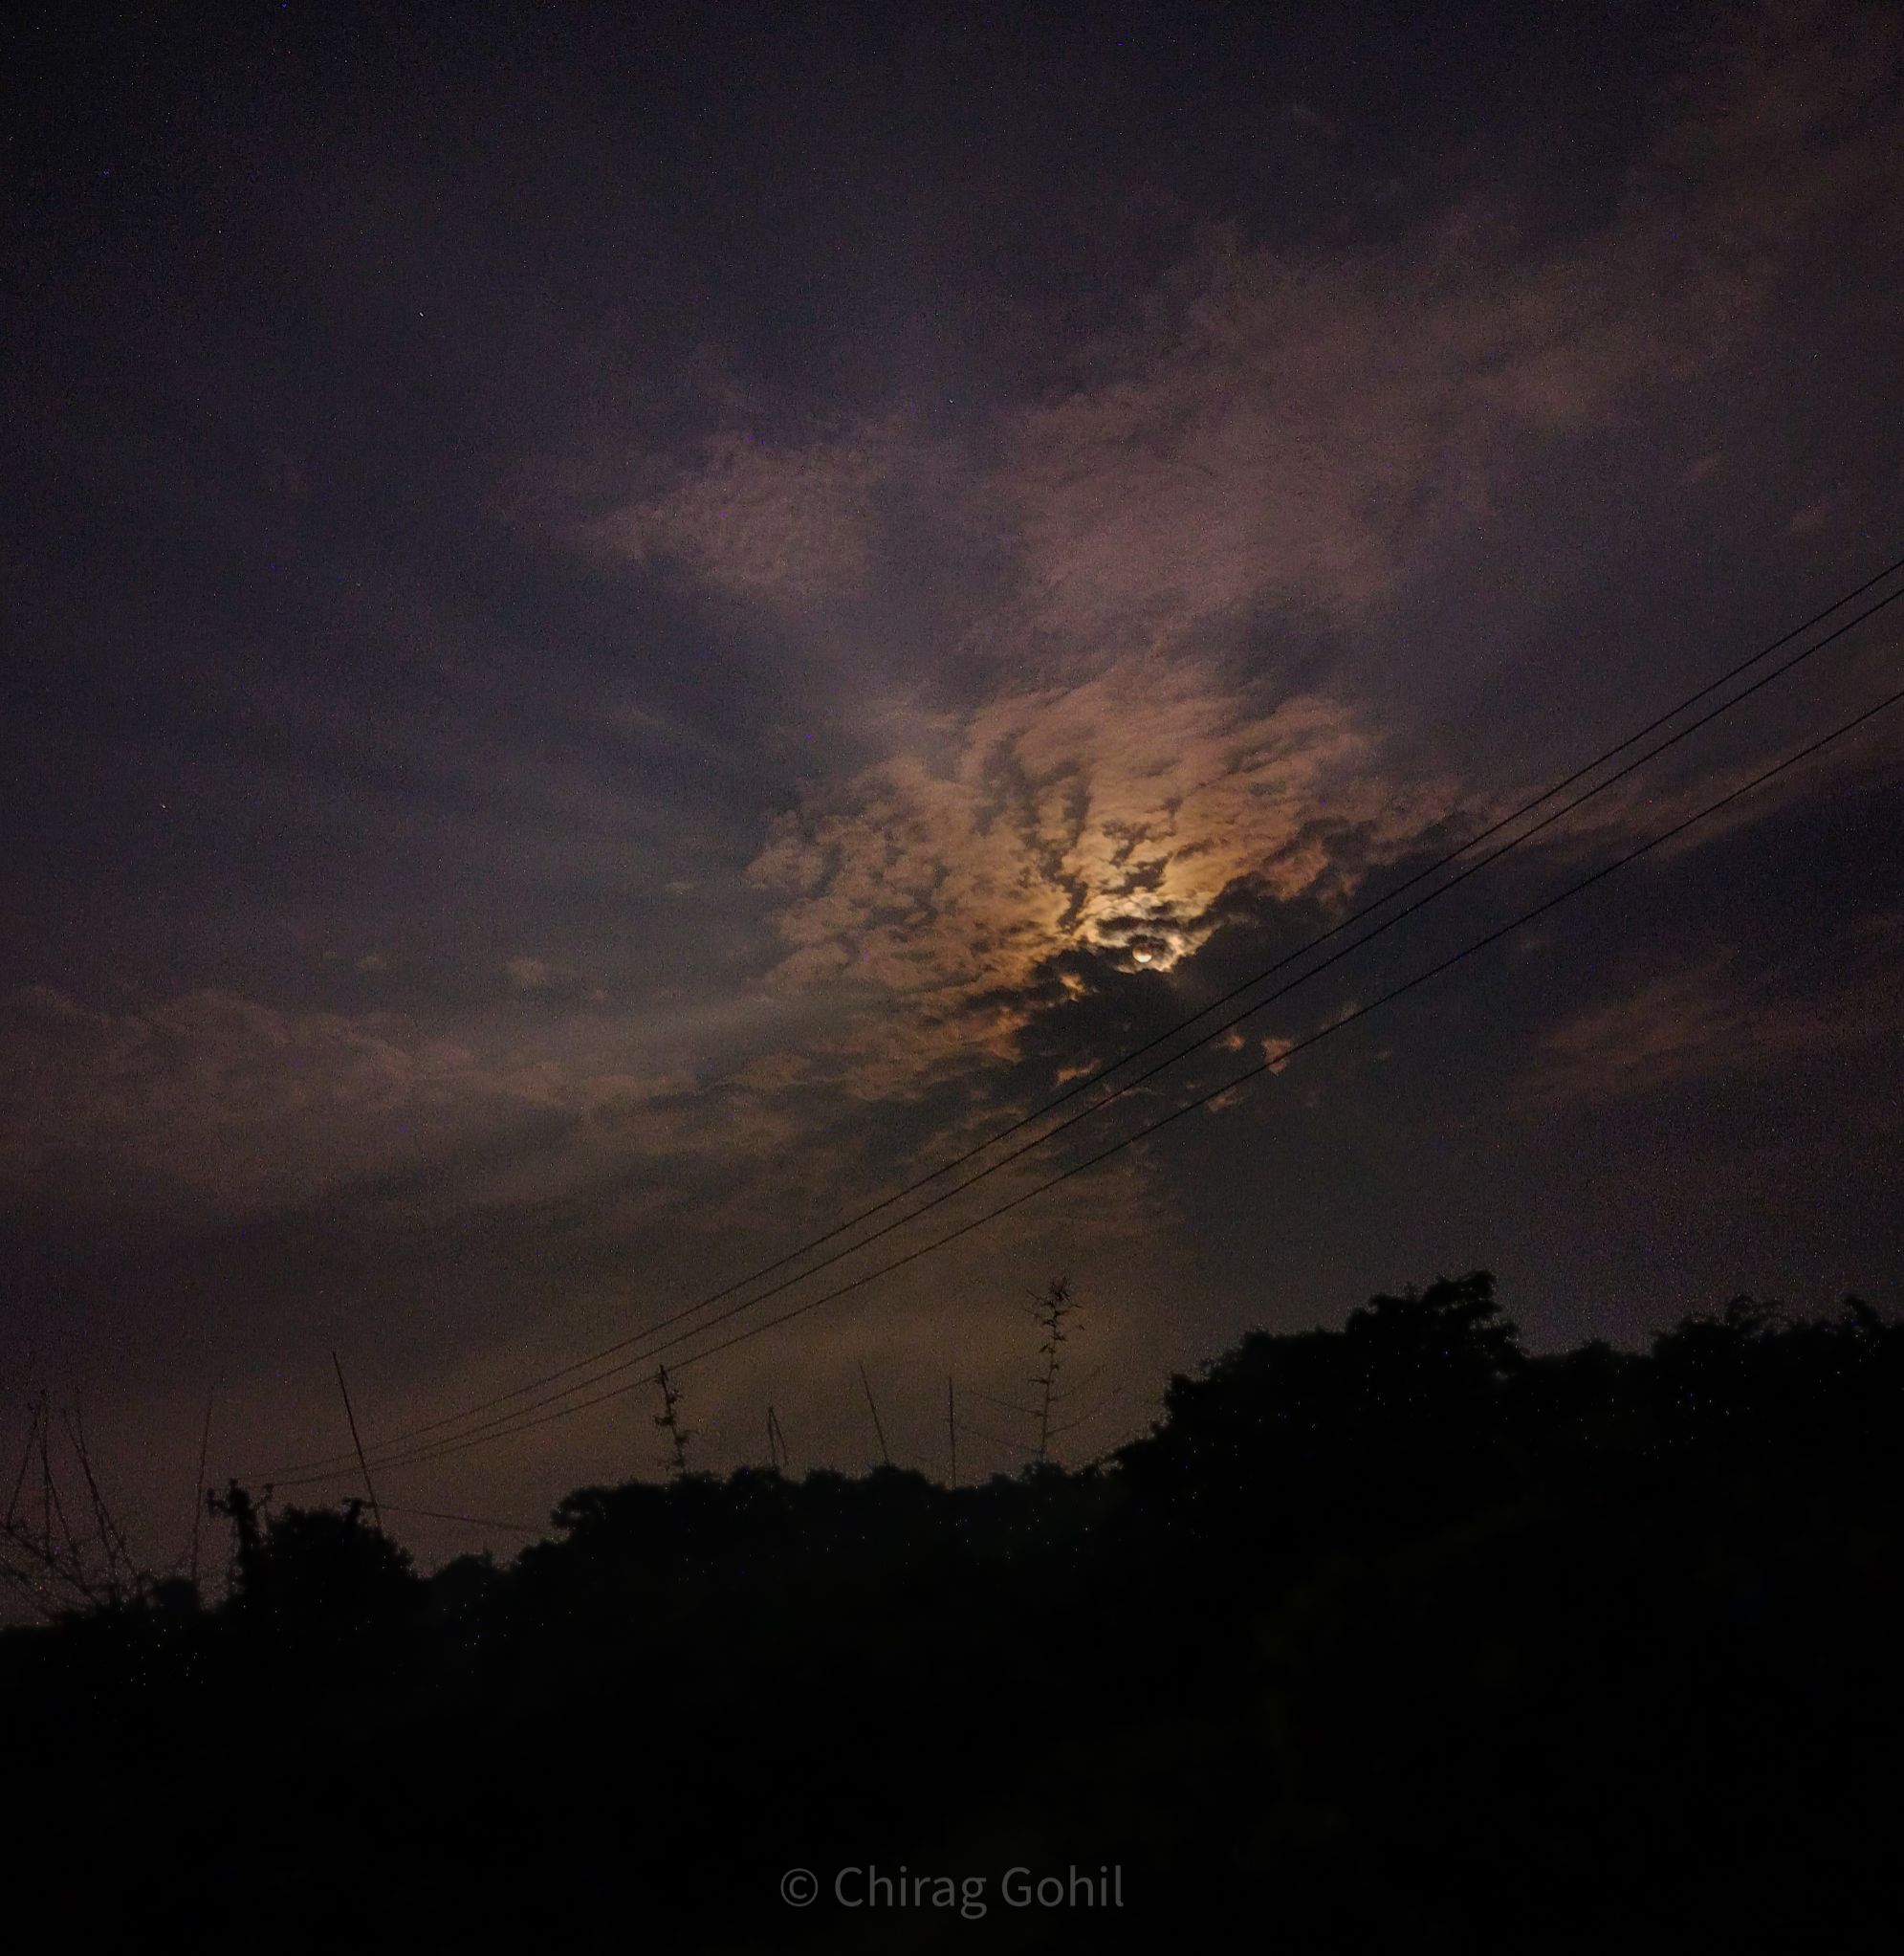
(628,626)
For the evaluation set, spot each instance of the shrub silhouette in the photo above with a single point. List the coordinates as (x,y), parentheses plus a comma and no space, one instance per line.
(1399,1634)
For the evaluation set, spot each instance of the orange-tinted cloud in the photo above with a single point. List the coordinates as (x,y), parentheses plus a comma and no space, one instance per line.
(1107,816)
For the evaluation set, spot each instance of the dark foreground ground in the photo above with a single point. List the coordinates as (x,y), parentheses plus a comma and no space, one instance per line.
(1389,1638)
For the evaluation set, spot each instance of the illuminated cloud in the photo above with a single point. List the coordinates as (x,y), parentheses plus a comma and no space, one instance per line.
(1107,816)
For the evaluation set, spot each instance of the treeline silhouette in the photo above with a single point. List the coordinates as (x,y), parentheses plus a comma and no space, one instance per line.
(1391,1638)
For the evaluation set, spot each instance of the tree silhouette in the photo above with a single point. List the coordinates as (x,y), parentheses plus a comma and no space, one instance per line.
(1053,1312)
(1440,1642)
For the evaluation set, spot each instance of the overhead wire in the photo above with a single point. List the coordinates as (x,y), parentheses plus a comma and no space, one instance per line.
(1111,1067)
(520,1423)
(1074,1088)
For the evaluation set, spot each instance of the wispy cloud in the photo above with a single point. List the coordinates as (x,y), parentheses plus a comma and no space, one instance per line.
(779,522)
(238,1105)
(1285,435)
(1719,1017)
(1291,428)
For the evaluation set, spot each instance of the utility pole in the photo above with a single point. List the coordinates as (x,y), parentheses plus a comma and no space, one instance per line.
(45,1478)
(885,1452)
(51,1508)
(376,1511)
(26,1460)
(951,1428)
(198,1493)
(112,1537)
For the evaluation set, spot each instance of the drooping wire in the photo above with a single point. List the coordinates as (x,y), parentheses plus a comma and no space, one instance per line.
(1076,1087)
(462,1442)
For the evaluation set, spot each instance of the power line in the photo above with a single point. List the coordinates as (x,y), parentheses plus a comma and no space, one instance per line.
(1361,1012)
(1023,1446)
(1070,1425)
(665,1323)
(460,1443)
(1216,1032)
(475,1520)
(1003,1405)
